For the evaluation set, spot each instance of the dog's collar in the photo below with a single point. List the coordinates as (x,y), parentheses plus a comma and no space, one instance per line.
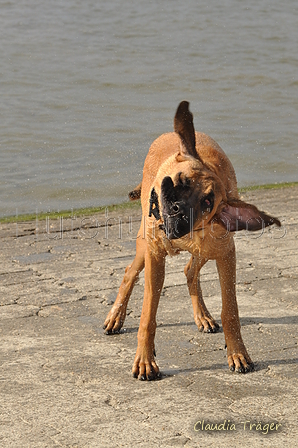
(154,206)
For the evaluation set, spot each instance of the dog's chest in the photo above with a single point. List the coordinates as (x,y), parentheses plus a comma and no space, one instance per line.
(200,244)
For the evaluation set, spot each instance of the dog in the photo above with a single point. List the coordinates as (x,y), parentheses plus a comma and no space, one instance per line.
(190,202)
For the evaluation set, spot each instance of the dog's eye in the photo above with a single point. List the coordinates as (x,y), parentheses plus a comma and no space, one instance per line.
(207,202)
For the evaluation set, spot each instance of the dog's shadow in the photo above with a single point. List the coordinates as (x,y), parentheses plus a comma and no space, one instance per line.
(258,367)
(174,324)
(245,321)
(281,320)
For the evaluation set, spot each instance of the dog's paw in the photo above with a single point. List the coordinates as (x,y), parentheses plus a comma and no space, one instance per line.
(145,368)
(240,363)
(115,320)
(206,324)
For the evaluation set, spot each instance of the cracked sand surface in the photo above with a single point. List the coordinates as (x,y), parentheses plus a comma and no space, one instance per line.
(64,383)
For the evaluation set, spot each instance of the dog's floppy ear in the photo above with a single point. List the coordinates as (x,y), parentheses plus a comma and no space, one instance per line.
(183,125)
(238,215)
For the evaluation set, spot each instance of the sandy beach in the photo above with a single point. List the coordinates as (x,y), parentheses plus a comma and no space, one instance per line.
(66,384)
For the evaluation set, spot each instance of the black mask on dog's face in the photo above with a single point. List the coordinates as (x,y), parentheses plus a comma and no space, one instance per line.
(177,214)
(180,208)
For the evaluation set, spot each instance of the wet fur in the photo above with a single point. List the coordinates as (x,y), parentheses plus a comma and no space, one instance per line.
(187,170)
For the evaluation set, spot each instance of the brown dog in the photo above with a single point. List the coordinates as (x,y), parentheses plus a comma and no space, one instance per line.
(190,203)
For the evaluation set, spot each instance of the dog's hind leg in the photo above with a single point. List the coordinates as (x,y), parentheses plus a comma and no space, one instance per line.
(203,318)
(116,317)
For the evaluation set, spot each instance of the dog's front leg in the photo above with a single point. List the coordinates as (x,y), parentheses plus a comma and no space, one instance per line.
(238,357)
(144,366)
(116,316)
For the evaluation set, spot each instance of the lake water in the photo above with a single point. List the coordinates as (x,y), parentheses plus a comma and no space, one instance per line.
(86,86)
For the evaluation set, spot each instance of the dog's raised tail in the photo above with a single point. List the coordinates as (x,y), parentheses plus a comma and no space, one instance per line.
(135,193)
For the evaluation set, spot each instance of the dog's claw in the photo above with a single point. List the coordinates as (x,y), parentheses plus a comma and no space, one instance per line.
(112,331)
(211,329)
(115,320)
(240,363)
(154,376)
(242,369)
(151,377)
(249,368)
(206,324)
(145,368)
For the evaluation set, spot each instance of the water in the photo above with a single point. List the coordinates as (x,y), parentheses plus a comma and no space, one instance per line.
(87,86)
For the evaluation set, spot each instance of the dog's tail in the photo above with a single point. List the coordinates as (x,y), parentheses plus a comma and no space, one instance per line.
(135,193)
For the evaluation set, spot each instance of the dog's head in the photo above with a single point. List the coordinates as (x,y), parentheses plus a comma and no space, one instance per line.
(192,195)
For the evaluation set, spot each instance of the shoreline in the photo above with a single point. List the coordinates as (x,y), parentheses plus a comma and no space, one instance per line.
(87,211)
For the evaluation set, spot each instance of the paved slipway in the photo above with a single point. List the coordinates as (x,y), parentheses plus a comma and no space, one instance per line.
(66,384)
